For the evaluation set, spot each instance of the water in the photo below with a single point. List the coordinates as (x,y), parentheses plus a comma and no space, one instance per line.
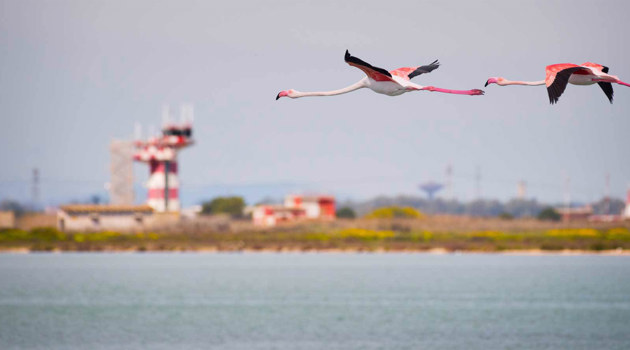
(313,301)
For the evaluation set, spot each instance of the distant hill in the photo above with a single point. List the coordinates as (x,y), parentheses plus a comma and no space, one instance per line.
(482,207)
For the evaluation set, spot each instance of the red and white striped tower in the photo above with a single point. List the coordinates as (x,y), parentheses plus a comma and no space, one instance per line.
(160,153)
(626,212)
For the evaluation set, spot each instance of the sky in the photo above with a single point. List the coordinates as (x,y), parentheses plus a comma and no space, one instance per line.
(76,74)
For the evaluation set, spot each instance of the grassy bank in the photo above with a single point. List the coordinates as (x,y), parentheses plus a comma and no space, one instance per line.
(321,237)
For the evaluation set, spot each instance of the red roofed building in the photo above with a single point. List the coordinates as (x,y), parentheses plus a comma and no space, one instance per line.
(295,207)
(316,207)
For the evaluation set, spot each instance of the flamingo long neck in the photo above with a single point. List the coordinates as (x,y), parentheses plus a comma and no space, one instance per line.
(528,83)
(355,86)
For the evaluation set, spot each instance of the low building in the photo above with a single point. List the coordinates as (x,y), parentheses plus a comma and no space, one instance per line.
(605,218)
(316,207)
(31,221)
(270,215)
(575,214)
(295,207)
(82,217)
(7,219)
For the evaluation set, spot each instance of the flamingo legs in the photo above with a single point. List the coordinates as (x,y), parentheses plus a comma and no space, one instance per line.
(611,81)
(457,92)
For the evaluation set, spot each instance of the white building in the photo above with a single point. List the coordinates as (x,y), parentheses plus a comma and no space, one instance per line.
(81,217)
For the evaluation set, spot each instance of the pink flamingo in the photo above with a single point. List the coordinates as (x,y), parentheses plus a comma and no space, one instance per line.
(392,83)
(559,75)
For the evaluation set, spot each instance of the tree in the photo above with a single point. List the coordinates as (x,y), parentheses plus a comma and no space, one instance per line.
(346,213)
(506,216)
(227,205)
(14,206)
(549,214)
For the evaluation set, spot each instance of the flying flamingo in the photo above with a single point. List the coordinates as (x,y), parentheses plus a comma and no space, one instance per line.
(559,75)
(392,83)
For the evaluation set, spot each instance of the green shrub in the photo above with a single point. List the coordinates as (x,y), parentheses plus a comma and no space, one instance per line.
(506,216)
(224,205)
(618,234)
(47,234)
(346,213)
(549,214)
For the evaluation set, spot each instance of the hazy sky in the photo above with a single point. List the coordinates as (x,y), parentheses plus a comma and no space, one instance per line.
(75,74)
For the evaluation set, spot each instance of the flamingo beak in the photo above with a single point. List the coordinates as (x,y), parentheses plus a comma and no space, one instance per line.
(492,81)
(282,94)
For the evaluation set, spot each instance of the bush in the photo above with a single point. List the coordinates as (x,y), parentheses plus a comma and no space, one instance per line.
(365,235)
(549,214)
(506,216)
(395,212)
(47,234)
(228,205)
(618,234)
(573,233)
(346,213)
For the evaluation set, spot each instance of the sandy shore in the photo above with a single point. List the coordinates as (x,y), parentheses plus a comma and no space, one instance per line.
(434,251)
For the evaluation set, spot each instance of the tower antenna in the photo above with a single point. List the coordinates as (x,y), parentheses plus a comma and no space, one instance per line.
(35,189)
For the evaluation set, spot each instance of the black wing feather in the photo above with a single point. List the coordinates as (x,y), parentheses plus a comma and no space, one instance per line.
(351,59)
(605,69)
(425,69)
(608,90)
(556,89)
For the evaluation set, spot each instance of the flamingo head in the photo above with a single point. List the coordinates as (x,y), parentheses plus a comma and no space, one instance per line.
(494,80)
(285,93)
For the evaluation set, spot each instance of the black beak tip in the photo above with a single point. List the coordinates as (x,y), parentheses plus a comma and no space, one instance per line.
(486,84)
(278,96)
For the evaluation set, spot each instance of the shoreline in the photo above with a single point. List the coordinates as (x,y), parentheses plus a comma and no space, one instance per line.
(434,251)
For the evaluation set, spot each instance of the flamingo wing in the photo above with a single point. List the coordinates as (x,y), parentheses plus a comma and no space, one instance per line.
(410,72)
(608,90)
(558,77)
(606,87)
(596,66)
(378,74)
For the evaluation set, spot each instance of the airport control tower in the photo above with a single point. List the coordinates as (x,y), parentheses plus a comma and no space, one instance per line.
(160,153)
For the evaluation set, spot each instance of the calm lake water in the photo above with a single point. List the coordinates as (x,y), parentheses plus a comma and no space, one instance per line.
(313,301)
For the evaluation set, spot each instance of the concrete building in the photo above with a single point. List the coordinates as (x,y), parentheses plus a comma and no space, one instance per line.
(7,219)
(81,217)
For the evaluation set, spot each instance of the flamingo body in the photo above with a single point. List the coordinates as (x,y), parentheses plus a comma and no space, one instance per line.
(559,75)
(379,80)
(394,87)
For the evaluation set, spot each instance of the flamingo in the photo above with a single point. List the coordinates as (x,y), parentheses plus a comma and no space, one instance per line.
(559,75)
(391,83)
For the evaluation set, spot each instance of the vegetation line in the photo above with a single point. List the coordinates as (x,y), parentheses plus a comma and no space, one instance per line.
(391,236)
